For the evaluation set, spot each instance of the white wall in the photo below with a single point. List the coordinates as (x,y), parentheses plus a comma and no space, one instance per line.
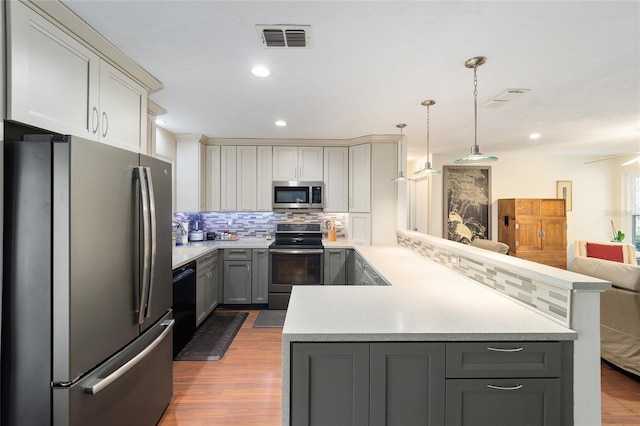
(597,192)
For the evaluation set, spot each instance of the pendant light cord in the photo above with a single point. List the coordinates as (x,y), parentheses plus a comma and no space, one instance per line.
(428,114)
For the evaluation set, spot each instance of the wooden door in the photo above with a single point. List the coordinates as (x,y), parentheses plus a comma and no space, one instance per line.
(528,235)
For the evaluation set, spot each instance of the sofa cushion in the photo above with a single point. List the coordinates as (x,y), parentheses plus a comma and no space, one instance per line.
(605,251)
(620,275)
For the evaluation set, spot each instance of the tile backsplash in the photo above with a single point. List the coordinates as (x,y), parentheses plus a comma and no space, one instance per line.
(258,224)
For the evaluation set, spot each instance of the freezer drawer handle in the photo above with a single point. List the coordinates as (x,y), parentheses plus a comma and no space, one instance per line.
(103,383)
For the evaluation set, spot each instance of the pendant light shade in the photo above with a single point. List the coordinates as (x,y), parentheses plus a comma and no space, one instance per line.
(475,155)
(427,169)
(401,177)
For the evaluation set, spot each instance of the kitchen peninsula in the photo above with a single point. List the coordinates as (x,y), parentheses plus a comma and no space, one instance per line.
(353,348)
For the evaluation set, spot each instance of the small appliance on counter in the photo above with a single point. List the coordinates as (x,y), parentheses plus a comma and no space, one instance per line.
(196,235)
(211,236)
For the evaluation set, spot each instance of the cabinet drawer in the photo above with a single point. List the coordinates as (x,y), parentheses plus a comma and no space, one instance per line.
(503,359)
(503,402)
(207,260)
(237,254)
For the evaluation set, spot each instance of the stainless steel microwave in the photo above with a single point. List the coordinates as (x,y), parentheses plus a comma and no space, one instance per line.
(295,195)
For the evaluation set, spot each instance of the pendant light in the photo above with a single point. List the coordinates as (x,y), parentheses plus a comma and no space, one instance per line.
(475,155)
(401,177)
(427,170)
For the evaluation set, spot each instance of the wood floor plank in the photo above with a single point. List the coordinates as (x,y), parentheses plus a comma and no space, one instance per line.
(245,387)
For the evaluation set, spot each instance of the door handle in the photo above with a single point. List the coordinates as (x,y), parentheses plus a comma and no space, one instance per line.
(94,120)
(105,124)
(103,383)
(146,243)
(506,388)
(154,236)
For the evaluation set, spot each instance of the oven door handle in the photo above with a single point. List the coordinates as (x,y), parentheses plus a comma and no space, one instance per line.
(294,251)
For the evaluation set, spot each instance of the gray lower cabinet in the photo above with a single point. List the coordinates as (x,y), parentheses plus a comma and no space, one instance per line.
(377,384)
(335,266)
(406,384)
(351,266)
(432,383)
(330,384)
(509,383)
(206,286)
(358,267)
(237,276)
(260,276)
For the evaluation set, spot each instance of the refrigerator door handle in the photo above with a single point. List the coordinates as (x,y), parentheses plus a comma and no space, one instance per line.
(153,224)
(146,244)
(103,383)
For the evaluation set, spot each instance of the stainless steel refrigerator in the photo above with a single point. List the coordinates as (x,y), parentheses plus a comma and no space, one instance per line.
(87,321)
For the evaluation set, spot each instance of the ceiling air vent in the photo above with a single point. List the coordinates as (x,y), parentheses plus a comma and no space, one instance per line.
(284,36)
(504,97)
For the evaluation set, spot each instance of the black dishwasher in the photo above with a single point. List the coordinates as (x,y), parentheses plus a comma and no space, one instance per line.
(184,305)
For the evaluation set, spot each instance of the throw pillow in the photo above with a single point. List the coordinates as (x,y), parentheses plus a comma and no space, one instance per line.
(605,251)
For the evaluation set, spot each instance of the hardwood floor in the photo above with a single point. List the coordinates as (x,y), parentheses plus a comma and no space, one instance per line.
(244,388)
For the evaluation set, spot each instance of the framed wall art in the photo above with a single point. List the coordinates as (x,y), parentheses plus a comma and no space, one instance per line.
(467,202)
(563,190)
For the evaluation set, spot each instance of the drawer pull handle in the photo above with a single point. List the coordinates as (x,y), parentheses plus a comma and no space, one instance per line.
(505,350)
(507,388)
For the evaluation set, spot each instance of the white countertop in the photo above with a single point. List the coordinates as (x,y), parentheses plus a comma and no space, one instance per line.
(426,301)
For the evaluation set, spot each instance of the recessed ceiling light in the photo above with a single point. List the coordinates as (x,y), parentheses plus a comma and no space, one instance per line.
(534,136)
(260,71)
(281,123)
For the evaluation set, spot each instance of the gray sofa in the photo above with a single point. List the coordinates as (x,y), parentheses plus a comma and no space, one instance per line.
(619,310)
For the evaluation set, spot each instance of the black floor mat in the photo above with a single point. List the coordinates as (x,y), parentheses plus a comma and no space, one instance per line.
(212,339)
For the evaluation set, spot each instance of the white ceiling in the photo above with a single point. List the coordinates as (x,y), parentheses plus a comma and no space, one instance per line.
(373,62)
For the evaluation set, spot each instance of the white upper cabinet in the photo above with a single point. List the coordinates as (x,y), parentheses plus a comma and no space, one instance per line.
(56,83)
(213,178)
(190,176)
(360,178)
(336,179)
(122,110)
(265,177)
(304,163)
(246,178)
(52,79)
(228,179)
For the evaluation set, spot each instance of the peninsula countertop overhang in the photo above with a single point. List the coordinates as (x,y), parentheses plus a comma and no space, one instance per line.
(425,302)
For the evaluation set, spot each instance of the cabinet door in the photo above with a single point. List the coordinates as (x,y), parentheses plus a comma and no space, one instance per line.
(503,402)
(211,289)
(285,163)
(260,276)
(336,179)
(330,384)
(52,79)
(310,164)
(335,267)
(188,176)
(360,228)
(360,178)
(246,178)
(228,179)
(265,179)
(407,381)
(553,207)
(201,298)
(212,178)
(123,110)
(528,235)
(237,282)
(554,234)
